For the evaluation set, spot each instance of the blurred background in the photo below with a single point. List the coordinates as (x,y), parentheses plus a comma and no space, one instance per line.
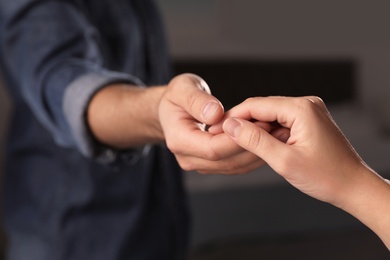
(339,50)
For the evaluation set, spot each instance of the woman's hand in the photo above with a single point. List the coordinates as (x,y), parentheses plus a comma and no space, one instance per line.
(316,158)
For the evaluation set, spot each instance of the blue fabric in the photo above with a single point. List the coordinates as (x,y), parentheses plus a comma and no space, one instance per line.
(66,195)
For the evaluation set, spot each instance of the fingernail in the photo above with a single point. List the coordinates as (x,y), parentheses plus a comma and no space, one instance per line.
(209,110)
(232,127)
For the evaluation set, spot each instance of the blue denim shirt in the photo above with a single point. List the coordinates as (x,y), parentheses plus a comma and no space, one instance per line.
(66,195)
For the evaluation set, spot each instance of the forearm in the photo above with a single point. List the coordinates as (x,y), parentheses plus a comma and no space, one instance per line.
(122,116)
(369,201)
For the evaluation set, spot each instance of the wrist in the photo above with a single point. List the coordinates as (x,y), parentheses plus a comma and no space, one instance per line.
(125,116)
(153,96)
(368,201)
(356,188)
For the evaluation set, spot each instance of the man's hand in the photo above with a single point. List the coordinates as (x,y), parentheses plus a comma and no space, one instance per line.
(124,116)
(184,110)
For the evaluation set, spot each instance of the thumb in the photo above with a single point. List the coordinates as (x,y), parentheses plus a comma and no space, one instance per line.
(192,93)
(254,139)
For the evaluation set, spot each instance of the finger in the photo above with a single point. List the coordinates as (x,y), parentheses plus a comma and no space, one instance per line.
(242,170)
(187,141)
(283,110)
(237,164)
(217,129)
(237,111)
(264,109)
(254,139)
(192,93)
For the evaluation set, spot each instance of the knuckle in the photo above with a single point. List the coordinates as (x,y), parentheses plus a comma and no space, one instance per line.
(212,155)
(253,141)
(186,163)
(249,100)
(305,104)
(191,101)
(187,166)
(173,146)
(179,82)
(186,79)
(215,151)
(319,101)
(315,98)
(179,79)
(233,166)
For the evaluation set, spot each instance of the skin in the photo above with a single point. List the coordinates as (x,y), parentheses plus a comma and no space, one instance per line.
(312,154)
(124,116)
(297,137)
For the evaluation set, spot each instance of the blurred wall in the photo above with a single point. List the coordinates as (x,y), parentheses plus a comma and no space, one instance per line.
(353,30)
(253,29)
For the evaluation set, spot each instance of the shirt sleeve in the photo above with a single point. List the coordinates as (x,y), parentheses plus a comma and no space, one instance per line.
(52,54)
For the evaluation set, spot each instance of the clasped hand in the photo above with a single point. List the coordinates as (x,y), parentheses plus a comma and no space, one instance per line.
(185,108)
(295,136)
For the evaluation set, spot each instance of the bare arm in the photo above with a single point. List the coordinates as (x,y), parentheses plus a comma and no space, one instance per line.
(126,116)
(316,158)
(369,201)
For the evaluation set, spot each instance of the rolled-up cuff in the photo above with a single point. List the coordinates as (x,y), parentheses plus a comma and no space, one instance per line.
(75,103)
